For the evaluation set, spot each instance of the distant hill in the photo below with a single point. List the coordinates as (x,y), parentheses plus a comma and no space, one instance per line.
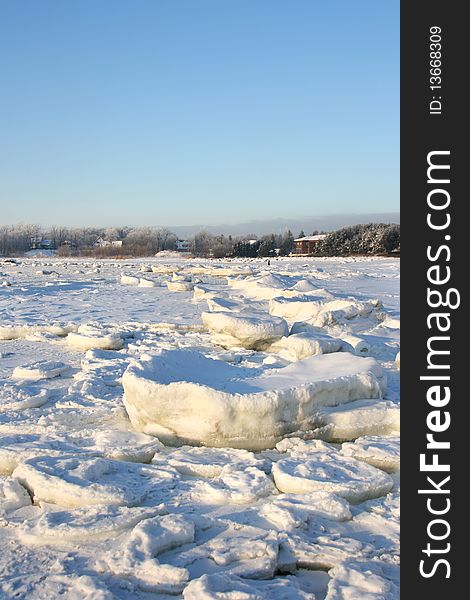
(307,224)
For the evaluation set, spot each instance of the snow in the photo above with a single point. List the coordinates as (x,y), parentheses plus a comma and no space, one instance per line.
(140,458)
(183,396)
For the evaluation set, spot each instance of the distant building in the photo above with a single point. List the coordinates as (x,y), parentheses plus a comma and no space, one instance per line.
(183,246)
(39,243)
(102,243)
(306,245)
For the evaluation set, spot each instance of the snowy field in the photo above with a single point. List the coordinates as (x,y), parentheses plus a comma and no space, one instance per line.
(182,428)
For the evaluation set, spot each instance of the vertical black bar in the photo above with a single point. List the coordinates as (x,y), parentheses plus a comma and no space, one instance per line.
(433,120)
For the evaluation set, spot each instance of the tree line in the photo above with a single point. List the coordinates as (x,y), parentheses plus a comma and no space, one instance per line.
(372,238)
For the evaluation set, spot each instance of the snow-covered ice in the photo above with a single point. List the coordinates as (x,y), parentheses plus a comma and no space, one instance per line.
(378,451)
(199,429)
(43,369)
(249,331)
(330,471)
(183,396)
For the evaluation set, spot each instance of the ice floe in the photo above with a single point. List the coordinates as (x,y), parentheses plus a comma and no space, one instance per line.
(22,397)
(43,369)
(316,467)
(359,418)
(74,481)
(183,396)
(255,332)
(302,345)
(89,337)
(230,587)
(378,451)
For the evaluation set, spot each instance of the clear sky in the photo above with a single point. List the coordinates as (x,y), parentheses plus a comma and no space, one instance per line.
(174,112)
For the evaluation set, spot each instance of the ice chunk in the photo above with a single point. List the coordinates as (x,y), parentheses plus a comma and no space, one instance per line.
(89,337)
(207,462)
(77,481)
(13,495)
(260,287)
(255,332)
(298,308)
(146,282)
(129,280)
(332,472)
(325,551)
(339,310)
(358,580)
(302,345)
(239,550)
(183,396)
(201,293)
(305,285)
(359,418)
(22,397)
(165,269)
(118,445)
(380,452)
(234,486)
(135,558)
(37,584)
(216,304)
(358,344)
(43,369)
(19,447)
(151,576)
(88,523)
(11,332)
(222,586)
(294,508)
(180,286)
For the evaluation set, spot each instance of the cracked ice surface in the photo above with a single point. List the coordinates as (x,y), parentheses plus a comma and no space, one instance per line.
(291,371)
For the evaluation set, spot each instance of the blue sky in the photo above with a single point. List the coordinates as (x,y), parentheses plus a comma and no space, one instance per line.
(178,112)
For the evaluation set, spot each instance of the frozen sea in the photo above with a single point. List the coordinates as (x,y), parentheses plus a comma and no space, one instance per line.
(254,455)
